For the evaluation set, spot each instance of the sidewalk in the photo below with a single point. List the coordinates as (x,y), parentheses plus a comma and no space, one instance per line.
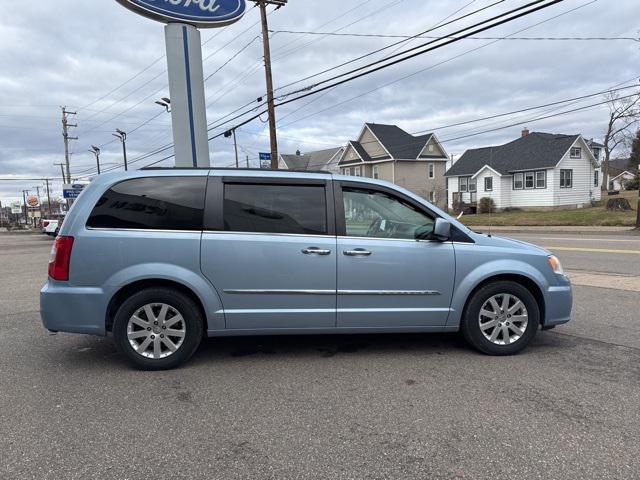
(583,230)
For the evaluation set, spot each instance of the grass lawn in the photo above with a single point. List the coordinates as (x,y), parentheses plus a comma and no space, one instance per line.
(592,216)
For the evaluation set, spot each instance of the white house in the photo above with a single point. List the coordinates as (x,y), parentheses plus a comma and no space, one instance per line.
(619,174)
(536,170)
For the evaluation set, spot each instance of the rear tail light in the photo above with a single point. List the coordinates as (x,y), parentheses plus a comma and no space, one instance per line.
(60,258)
(45,224)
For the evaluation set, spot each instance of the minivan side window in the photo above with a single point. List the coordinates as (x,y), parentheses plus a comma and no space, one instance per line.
(153,203)
(264,208)
(374,214)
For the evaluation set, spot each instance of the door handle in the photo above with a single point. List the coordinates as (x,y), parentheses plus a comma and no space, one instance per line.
(316,251)
(358,252)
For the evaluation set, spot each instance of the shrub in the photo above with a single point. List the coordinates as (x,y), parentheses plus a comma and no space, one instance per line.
(633,184)
(486,205)
(512,209)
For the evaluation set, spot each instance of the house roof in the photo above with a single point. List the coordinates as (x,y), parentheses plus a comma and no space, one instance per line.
(592,143)
(399,144)
(534,151)
(615,172)
(318,160)
(620,164)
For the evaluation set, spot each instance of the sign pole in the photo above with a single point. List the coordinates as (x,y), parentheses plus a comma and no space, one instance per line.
(186,90)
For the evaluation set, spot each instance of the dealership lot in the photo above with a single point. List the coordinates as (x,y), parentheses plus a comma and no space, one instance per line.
(388,406)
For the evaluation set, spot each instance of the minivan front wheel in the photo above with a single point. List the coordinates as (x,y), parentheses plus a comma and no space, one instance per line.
(158,328)
(501,318)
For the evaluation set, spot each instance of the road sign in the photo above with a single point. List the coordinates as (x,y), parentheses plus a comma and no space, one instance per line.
(199,13)
(73,190)
(16,208)
(33,201)
(265,160)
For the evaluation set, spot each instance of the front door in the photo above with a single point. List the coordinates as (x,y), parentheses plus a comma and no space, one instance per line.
(273,257)
(390,274)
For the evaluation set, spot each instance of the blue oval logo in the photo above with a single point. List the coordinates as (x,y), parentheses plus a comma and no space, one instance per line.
(200,13)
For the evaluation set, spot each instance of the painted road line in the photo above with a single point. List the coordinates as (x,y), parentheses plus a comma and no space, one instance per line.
(603,280)
(578,239)
(591,250)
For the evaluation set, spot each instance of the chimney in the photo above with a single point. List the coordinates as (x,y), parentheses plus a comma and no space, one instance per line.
(525,132)
(298,153)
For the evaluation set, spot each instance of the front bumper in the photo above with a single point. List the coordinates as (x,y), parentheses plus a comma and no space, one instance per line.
(559,302)
(73,309)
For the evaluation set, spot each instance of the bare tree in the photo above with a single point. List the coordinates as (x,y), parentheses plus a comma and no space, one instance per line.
(624,113)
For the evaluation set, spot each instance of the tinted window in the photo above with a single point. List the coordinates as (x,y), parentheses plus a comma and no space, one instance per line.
(296,209)
(378,215)
(158,203)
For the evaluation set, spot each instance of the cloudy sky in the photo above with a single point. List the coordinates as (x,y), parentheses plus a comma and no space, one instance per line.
(108,64)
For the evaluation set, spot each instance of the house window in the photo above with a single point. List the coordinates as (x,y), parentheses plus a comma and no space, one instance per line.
(430,148)
(541,179)
(488,184)
(473,185)
(432,170)
(432,197)
(566,178)
(596,178)
(529,180)
(463,184)
(376,172)
(596,152)
(357,171)
(576,152)
(518,181)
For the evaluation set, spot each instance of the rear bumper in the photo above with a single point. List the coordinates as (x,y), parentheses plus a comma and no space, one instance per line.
(73,309)
(559,302)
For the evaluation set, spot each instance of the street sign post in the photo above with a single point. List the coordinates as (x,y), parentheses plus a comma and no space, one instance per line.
(16,208)
(265,160)
(184,61)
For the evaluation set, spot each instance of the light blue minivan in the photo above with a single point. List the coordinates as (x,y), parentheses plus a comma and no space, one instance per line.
(161,258)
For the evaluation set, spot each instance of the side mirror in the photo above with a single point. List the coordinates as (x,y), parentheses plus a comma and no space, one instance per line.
(442,230)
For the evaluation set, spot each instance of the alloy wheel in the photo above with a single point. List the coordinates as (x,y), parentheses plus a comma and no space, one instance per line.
(503,319)
(156,330)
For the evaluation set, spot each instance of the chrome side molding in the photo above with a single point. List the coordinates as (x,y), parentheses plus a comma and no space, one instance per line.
(328,292)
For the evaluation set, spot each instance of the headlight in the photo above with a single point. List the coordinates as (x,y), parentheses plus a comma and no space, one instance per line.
(555,264)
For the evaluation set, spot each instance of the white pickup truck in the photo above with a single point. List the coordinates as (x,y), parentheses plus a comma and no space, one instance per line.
(51,227)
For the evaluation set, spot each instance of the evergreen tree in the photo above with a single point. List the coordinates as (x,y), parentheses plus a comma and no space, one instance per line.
(634,159)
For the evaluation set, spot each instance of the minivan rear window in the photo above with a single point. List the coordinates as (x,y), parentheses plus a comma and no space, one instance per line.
(262,208)
(154,203)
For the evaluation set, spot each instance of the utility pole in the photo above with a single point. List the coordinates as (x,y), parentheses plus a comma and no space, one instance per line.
(122,136)
(96,151)
(48,197)
(228,134)
(24,199)
(247,161)
(65,134)
(267,65)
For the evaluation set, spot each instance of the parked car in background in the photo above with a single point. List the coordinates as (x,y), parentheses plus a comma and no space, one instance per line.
(161,258)
(50,227)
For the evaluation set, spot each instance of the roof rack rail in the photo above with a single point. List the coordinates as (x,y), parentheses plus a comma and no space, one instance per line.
(231,169)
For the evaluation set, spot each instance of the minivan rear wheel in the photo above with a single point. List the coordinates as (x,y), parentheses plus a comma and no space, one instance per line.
(501,318)
(158,328)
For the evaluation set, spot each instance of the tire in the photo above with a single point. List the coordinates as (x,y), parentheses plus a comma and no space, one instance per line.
(506,332)
(150,317)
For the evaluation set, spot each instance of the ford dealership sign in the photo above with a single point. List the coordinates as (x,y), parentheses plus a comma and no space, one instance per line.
(200,13)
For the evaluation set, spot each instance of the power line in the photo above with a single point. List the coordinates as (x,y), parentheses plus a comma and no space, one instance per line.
(437,64)
(374,35)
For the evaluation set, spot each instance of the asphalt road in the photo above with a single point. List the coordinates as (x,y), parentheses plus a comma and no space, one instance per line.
(347,407)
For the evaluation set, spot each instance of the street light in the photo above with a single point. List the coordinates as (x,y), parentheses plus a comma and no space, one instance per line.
(122,136)
(96,151)
(165,103)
